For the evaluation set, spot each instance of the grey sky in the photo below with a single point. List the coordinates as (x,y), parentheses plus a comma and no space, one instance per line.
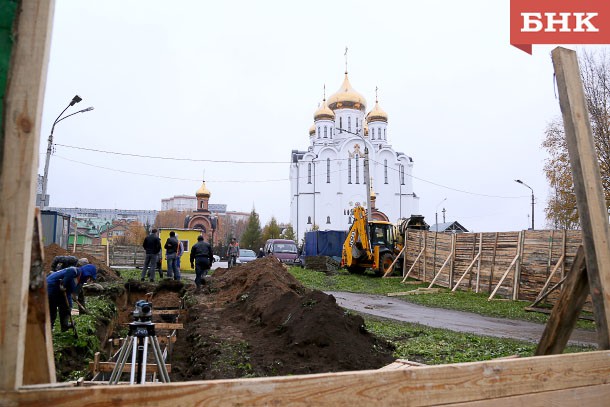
(240,80)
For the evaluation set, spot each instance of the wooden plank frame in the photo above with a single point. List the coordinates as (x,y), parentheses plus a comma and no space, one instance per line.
(590,198)
(570,379)
(18,166)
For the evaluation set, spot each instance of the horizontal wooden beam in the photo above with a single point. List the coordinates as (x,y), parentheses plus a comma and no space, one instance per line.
(416,386)
(107,367)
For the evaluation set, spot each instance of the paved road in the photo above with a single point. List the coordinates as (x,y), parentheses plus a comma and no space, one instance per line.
(389,307)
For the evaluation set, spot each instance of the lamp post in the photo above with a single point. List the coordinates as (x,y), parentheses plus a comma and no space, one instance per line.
(45,176)
(436,212)
(524,184)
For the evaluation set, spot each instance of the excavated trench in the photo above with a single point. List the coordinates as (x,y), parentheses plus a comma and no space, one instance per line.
(251,321)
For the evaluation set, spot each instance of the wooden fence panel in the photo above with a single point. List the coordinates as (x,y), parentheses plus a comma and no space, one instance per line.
(539,253)
(120,255)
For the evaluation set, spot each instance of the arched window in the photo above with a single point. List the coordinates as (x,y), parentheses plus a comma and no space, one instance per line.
(385,171)
(384,136)
(318,131)
(356,124)
(379,133)
(402,174)
(309,173)
(328,220)
(340,125)
(349,170)
(328,170)
(357,169)
(349,123)
(373,133)
(309,220)
(325,132)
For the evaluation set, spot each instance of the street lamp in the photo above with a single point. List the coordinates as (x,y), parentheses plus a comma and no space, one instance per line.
(45,176)
(436,212)
(524,184)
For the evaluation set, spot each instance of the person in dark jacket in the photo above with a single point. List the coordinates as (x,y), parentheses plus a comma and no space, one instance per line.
(171,250)
(60,287)
(152,246)
(201,258)
(62,262)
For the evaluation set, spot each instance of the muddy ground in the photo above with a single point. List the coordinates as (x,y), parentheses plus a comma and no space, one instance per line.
(104,273)
(250,321)
(258,320)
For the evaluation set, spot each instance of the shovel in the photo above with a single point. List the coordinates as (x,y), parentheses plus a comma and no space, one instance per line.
(71,320)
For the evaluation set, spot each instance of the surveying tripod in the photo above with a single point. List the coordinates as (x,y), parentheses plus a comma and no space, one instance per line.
(141,333)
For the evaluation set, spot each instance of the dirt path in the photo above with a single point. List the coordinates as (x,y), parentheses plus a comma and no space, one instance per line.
(392,308)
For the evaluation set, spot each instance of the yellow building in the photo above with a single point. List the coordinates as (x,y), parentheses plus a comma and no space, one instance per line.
(188,237)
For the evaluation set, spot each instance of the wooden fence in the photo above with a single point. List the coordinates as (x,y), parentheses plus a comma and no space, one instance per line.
(516,265)
(114,255)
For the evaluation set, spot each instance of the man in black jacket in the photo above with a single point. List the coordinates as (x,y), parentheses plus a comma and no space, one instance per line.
(152,245)
(202,257)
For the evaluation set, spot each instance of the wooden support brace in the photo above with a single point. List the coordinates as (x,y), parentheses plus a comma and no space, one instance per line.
(548,280)
(565,312)
(553,288)
(503,277)
(389,270)
(466,272)
(413,265)
(439,271)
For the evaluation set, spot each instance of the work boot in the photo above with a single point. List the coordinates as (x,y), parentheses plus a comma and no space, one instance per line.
(67,327)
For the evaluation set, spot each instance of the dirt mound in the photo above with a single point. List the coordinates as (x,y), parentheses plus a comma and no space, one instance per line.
(258,320)
(104,273)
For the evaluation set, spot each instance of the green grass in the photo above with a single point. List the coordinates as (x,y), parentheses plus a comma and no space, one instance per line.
(459,300)
(434,346)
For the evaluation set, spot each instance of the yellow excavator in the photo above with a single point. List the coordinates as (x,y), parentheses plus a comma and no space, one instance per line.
(375,244)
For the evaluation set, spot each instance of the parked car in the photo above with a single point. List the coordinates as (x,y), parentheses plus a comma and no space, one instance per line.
(285,250)
(216,258)
(245,256)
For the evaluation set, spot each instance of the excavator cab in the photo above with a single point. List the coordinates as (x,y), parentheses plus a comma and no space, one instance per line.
(382,234)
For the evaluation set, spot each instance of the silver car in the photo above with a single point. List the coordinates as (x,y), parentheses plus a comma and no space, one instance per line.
(245,256)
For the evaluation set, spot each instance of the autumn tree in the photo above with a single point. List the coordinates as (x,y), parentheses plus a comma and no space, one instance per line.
(170,219)
(561,211)
(288,233)
(135,234)
(251,239)
(271,230)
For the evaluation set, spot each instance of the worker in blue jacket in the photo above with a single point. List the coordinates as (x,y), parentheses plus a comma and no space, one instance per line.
(61,285)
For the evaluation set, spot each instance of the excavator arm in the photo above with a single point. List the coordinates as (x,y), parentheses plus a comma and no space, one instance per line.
(357,246)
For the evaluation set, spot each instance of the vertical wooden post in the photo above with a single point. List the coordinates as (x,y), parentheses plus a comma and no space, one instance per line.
(550,257)
(404,256)
(517,275)
(493,264)
(425,247)
(18,167)
(590,197)
(39,363)
(479,263)
(452,265)
(474,247)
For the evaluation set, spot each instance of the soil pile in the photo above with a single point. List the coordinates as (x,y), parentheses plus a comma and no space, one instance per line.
(104,273)
(258,320)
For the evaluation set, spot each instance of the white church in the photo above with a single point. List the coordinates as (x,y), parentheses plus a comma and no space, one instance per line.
(327,180)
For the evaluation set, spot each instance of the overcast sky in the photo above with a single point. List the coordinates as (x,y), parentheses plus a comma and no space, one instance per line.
(239,81)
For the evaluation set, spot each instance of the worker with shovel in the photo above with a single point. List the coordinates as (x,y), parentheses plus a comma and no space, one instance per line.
(60,287)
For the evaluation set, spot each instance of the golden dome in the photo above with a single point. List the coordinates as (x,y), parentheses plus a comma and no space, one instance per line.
(347,97)
(377,114)
(203,191)
(324,113)
(312,130)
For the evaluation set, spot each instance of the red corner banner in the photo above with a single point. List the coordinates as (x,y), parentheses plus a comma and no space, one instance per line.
(559,22)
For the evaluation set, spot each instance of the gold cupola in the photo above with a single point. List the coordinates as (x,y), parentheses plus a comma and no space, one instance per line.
(203,191)
(377,114)
(312,130)
(347,98)
(324,112)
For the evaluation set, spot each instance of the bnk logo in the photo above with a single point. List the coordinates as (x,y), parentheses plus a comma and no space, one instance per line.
(559,22)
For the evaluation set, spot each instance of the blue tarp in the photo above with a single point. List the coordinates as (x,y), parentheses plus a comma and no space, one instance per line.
(324,243)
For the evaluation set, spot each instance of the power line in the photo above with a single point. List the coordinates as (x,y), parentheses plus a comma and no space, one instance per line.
(251,162)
